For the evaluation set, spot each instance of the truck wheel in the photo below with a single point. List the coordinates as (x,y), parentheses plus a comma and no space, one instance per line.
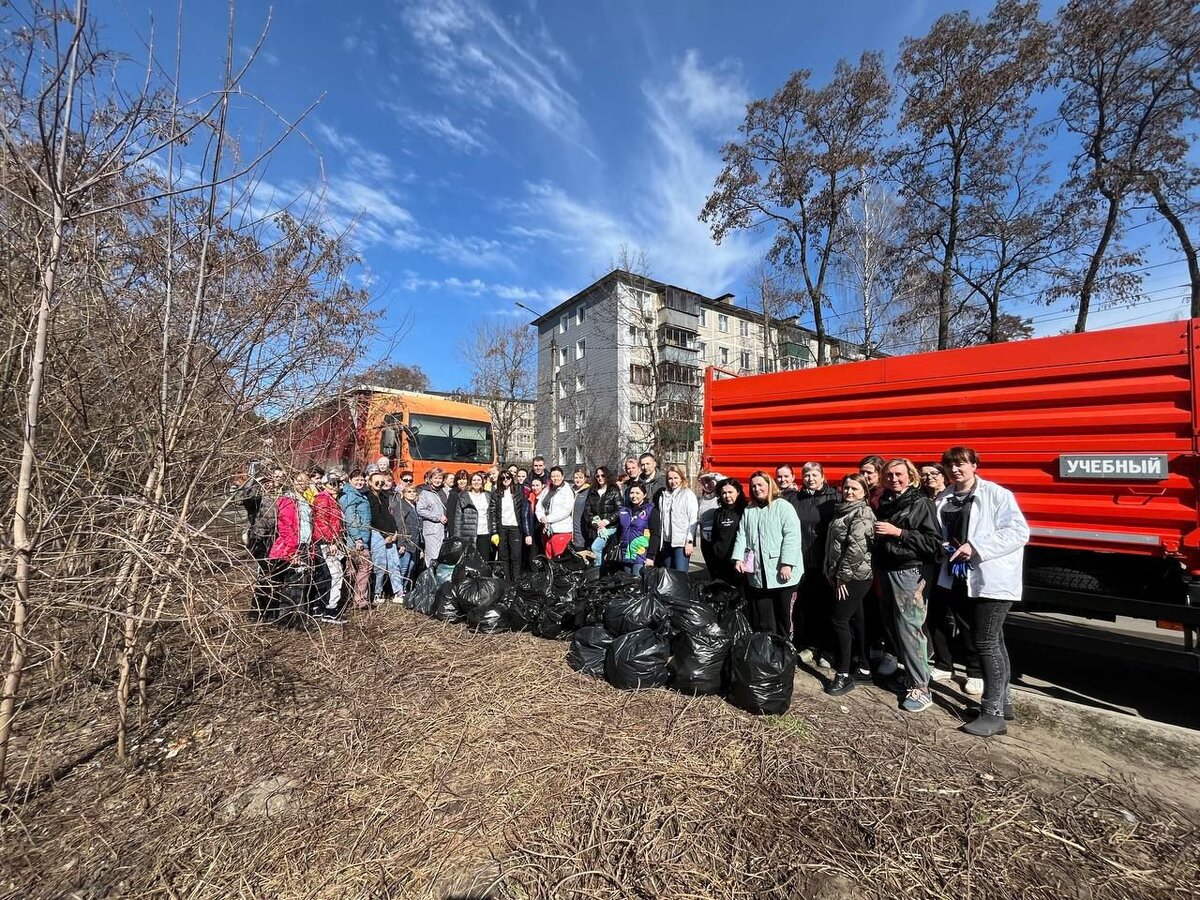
(1064,578)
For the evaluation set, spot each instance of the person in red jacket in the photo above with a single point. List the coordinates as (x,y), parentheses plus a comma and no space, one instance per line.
(290,557)
(329,551)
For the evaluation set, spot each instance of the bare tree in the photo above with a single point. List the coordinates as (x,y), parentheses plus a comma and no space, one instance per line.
(501,361)
(1127,69)
(869,262)
(187,319)
(797,166)
(968,85)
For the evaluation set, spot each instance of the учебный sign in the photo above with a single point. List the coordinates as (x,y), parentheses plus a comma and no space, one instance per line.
(1113,466)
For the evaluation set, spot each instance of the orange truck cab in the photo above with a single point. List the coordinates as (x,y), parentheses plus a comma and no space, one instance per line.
(415,431)
(1096,434)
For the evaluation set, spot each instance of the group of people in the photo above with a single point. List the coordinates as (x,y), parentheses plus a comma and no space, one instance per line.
(899,573)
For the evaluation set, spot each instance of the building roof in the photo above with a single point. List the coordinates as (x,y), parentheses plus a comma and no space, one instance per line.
(614,275)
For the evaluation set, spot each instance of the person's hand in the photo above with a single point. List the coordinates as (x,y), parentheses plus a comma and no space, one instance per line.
(443,520)
(649,564)
(741,569)
(358,544)
(785,573)
(389,539)
(843,591)
(887,529)
(964,551)
(688,549)
(602,524)
(402,550)
(528,540)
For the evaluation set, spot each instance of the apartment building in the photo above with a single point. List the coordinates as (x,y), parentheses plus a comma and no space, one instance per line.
(621,367)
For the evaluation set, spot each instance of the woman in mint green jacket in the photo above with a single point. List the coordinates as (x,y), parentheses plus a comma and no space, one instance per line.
(767,552)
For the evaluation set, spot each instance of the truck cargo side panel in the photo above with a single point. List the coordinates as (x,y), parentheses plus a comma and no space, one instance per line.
(1019,405)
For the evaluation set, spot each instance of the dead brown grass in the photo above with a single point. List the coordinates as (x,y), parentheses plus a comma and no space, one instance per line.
(399,757)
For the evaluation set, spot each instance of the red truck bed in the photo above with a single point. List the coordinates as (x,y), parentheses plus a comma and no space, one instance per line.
(1033,410)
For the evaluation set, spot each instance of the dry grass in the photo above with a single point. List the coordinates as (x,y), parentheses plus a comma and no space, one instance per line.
(399,757)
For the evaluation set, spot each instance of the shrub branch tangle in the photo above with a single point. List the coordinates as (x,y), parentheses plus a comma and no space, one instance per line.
(153,313)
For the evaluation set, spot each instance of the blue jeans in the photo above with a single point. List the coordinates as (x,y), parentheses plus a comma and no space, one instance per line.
(599,543)
(634,566)
(385,559)
(672,558)
(408,561)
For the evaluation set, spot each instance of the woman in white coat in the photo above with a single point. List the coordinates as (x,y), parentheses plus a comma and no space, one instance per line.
(985,536)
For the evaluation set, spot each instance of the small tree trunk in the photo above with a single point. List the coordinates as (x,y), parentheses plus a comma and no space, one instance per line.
(22,541)
(1185,244)
(1093,270)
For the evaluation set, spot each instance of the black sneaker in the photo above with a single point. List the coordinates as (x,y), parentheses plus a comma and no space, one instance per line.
(841,684)
(985,725)
(1010,712)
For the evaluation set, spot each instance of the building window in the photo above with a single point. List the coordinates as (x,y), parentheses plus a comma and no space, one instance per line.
(580,418)
(703,348)
(724,356)
(562,390)
(745,328)
(639,412)
(562,424)
(562,356)
(562,456)
(563,321)
(762,364)
(578,383)
(642,375)
(703,318)
(723,323)
(579,314)
(580,347)
(746,360)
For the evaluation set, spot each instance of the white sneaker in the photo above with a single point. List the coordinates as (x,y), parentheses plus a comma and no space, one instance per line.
(887,665)
(974,687)
(936,674)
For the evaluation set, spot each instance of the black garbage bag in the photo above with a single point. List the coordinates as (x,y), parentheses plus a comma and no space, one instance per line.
(638,660)
(557,621)
(541,582)
(475,592)
(539,564)
(423,594)
(524,610)
(591,599)
(761,675)
(720,595)
(633,610)
(570,561)
(736,625)
(470,565)
(668,585)
(445,605)
(589,647)
(688,613)
(699,661)
(452,551)
(490,618)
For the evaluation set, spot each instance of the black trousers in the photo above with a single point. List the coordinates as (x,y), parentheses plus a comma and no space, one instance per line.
(963,608)
(849,626)
(771,609)
(813,612)
(511,547)
(940,629)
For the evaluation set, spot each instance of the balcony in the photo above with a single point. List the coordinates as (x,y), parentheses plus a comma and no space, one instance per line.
(687,320)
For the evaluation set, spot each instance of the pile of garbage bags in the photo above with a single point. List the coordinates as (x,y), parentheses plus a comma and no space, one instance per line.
(656,630)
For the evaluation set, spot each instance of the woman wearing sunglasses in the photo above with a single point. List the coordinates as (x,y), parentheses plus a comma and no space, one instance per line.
(512,512)
(600,512)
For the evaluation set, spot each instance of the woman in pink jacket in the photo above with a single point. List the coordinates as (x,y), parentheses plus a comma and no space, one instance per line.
(291,554)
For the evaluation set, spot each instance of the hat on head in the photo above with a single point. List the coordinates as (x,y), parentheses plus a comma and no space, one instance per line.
(372,469)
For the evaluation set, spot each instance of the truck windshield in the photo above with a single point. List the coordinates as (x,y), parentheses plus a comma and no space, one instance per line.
(459,440)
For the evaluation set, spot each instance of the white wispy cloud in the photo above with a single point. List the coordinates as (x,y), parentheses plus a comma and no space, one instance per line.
(477,287)
(656,205)
(439,125)
(473,54)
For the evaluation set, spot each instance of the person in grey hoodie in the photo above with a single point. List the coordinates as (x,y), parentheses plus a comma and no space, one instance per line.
(582,488)
(431,508)
(847,568)
(707,509)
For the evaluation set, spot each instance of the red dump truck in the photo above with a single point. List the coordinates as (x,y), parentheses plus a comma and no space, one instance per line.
(1097,434)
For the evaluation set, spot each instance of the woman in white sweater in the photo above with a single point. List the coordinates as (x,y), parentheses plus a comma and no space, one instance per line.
(678,513)
(555,509)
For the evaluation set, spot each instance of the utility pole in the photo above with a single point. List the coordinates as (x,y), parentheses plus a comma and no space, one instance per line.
(553,387)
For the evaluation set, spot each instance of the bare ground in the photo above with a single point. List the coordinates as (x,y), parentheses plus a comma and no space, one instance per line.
(399,757)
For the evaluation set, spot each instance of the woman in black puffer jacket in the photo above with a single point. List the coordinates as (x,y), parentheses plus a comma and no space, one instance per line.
(907,543)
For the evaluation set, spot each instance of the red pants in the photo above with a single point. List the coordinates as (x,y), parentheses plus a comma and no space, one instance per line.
(556,545)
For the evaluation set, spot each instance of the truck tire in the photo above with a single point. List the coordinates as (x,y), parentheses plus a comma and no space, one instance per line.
(1064,578)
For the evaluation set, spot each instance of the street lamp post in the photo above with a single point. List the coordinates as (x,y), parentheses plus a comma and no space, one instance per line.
(553,380)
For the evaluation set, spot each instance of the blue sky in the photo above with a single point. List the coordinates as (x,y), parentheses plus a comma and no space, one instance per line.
(491,152)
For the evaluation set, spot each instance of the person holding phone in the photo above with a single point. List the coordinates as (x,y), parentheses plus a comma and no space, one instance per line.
(767,552)
(985,536)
